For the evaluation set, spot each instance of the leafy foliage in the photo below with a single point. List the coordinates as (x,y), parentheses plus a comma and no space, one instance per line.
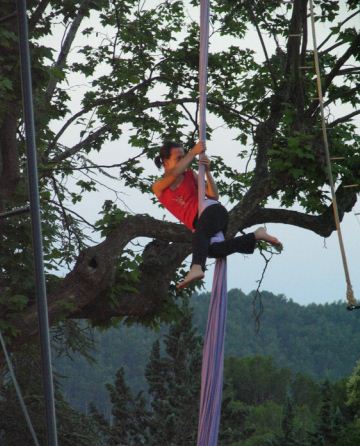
(127,72)
(73,427)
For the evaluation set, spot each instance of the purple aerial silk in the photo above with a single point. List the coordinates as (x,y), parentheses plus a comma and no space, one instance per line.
(213,351)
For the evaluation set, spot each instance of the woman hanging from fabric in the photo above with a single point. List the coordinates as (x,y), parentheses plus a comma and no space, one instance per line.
(177,191)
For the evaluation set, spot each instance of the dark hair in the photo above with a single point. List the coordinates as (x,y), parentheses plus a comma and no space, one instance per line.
(165,152)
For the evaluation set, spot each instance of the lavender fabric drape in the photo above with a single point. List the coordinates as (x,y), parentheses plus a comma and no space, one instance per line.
(213,351)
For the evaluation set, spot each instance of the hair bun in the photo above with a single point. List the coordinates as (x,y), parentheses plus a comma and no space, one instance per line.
(158,161)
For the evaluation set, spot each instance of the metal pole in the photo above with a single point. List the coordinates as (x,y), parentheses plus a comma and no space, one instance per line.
(40,287)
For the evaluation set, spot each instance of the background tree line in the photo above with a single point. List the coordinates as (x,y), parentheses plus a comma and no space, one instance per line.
(264,402)
(322,341)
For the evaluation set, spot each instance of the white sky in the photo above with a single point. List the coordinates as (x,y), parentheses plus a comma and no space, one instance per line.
(308,270)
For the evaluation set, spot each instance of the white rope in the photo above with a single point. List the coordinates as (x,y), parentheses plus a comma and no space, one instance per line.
(18,391)
(349,293)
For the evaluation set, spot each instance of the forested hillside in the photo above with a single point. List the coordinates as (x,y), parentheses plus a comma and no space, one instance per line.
(320,340)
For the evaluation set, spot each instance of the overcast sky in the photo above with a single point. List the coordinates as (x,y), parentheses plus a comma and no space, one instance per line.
(308,270)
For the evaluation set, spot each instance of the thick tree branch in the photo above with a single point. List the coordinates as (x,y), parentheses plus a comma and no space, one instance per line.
(296,49)
(37,14)
(334,72)
(65,49)
(344,118)
(84,291)
(323,224)
(94,274)
(304,39)
(266,130)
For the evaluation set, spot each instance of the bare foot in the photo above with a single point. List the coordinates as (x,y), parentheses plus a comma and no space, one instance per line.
(195,273)
(261,234)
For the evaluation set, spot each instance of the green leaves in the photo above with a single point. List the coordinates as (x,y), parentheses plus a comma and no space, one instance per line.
(132,79)
(112,216)
(5,85)
(8,38)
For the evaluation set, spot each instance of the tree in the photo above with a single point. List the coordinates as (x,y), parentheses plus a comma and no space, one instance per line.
(174,385)
(327,429)
(171,414)
(350,435)
(305,391)
(233,418)
(142,75)
(289,437)
(129,423)
(348,426)
(73,427)
(353,390)
(255,380)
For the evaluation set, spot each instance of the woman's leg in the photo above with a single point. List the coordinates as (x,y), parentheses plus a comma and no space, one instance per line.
(212,220)
(244,244)
(215,219)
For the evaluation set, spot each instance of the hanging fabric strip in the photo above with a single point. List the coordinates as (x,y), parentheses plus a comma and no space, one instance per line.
(213,351)
(203,64)
(213,360)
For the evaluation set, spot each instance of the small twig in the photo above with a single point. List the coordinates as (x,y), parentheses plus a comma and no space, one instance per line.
(258,307)
(8,17)
(333,47)
(67,224)
(17,211)
(75,213)
(117,31)
(253,18)
(190,116)
(340,24)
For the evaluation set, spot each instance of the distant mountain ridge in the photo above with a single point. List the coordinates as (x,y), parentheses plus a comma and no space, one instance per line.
(320,340)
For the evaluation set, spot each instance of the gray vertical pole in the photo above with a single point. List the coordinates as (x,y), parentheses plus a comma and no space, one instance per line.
(36,224)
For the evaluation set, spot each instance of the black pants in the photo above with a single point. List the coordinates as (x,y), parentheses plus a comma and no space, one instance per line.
(214,219)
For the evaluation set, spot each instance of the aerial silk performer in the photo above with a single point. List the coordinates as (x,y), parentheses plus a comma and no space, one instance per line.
(195,203)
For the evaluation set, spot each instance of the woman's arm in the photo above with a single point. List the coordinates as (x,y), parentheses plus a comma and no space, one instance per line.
(211,190)
(170,176)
